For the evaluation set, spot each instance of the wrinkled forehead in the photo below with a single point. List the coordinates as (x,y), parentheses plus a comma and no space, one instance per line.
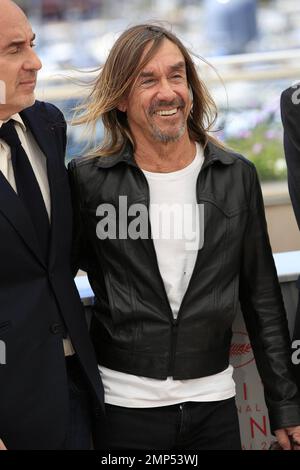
(164,54)
(15,33)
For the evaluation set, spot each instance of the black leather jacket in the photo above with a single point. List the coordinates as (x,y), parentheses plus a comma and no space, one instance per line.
(133,329)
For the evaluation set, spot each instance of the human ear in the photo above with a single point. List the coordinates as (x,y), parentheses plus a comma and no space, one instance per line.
(122,106)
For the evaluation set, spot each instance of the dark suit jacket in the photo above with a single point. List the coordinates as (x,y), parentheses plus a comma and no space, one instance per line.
(290,113)
(34,298)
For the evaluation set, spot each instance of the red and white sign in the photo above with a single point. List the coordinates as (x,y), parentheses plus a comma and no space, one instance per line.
(252,410)
(241,352)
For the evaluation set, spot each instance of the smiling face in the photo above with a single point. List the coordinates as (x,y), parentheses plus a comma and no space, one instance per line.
(18,62)
(159,102)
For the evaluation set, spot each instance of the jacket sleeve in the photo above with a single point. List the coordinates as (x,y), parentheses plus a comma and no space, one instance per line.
(263,310)
(290,115)
(78,253)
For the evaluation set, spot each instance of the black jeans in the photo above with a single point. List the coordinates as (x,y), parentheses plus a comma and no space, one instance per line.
(186,426)
(78,435)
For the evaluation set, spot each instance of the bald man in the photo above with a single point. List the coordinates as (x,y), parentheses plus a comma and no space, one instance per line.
(50,390)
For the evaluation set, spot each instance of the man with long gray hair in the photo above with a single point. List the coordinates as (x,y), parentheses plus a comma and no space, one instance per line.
(170,228)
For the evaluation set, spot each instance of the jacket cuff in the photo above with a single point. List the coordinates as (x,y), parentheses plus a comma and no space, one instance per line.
(284,417)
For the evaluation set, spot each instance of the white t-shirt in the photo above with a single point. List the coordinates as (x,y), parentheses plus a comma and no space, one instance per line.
(175,226)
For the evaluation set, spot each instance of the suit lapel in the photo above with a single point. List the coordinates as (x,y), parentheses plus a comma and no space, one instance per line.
(43,131)
(14,211)
(52,176)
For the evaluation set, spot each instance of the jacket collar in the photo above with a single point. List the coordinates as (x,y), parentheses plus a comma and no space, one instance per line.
(36,119)
(212,153)
(125,156)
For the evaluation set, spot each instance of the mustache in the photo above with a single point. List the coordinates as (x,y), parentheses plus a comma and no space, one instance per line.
(29,76)
(158,105)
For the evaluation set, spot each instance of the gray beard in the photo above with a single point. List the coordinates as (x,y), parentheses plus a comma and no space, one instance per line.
(159,136)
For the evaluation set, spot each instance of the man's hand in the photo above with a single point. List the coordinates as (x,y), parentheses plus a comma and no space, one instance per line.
(289,438)
(2,446)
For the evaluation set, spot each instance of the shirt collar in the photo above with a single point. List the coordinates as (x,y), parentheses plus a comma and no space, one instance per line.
(17,118)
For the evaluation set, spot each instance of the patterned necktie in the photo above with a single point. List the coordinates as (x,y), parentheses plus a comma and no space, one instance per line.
(27,186)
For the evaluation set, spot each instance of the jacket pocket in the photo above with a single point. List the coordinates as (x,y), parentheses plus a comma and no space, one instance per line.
(224,227)
(227,209)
